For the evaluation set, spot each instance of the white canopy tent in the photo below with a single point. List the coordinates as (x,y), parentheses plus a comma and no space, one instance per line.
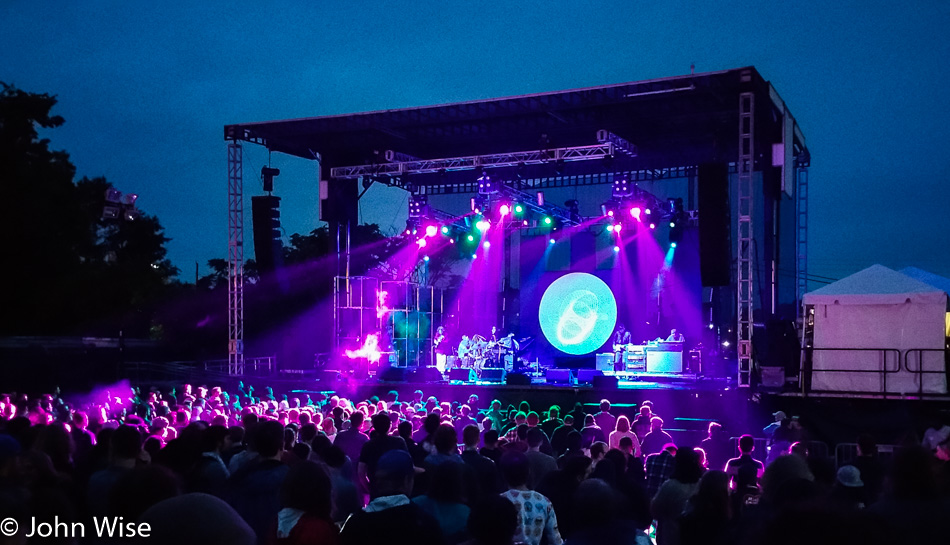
(865,327)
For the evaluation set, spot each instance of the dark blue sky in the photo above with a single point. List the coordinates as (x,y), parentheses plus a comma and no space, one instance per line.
(146,89)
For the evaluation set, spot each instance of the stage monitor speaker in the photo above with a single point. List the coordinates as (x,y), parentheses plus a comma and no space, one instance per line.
(605,362)
(587,376)
(462,375)
(329,379)
(425,374)
(715,224)
(559,376)
(493,375)
(517,379)
(393,374)
(604,382)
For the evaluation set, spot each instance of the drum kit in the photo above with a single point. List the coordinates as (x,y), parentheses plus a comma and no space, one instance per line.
(481,353)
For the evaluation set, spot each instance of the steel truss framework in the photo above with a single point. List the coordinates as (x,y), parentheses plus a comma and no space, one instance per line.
(235,259)
(498,160)
(745,235)
(801,244)
(650,175)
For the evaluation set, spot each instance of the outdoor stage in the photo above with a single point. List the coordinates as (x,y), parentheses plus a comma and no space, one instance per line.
(688,186)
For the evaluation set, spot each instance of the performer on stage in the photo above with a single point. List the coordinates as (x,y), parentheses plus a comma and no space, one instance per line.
(509,351)
(438,346)
(675,337)
(509,342)
(465,350)
(622,338)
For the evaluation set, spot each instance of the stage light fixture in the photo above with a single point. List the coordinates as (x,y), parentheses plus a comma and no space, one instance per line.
(487,186)
(547,220)
(451,241)
(610,228)
(621,189)
(417,206)
(474,256)
(482,225)
(504,210)
(431,230)
(672,245)
(471,238)
(652,226)
(426,259)
(616,249)
(610,208)
(445,229)
(711,326)
(618,228)
(519,209)
(486,245)
(421,242)
(573,208)
(635,212)
(550,241)
(672,224)
(525,223)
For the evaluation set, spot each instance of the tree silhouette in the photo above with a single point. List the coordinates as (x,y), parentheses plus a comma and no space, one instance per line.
(68,270)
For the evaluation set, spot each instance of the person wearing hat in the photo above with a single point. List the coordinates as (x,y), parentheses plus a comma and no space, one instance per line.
(848,490)
(390,517)
(777,417)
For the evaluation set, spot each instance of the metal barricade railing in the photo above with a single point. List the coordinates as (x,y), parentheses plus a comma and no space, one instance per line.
(919,372)
(252,366)
(760,451)
(845,453)
(883,371)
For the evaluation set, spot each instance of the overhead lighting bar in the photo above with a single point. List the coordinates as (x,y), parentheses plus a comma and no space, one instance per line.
(498,160)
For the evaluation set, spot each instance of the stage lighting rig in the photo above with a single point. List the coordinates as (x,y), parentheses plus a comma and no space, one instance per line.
(418,206)
(621,189)
(573,208)
(487,186)
(267,177)
(119,206)
(610,208)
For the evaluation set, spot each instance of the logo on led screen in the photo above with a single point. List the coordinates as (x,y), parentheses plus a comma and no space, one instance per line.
(578,313)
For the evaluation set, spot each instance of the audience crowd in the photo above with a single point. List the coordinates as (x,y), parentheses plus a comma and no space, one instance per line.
(208,466)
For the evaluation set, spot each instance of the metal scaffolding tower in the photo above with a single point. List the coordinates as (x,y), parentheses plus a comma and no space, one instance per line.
(745,233)
(801,244)
(235,259)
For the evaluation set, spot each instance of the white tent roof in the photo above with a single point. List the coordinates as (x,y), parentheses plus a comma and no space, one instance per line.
(928,277)
(876,285)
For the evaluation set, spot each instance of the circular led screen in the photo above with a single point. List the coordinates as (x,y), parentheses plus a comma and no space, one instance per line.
(577,313)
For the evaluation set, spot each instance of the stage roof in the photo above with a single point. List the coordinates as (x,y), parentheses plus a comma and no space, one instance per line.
(674,122)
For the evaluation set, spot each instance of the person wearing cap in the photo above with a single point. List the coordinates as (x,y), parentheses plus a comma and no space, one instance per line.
(390,517)
(848,490)
(777,417)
